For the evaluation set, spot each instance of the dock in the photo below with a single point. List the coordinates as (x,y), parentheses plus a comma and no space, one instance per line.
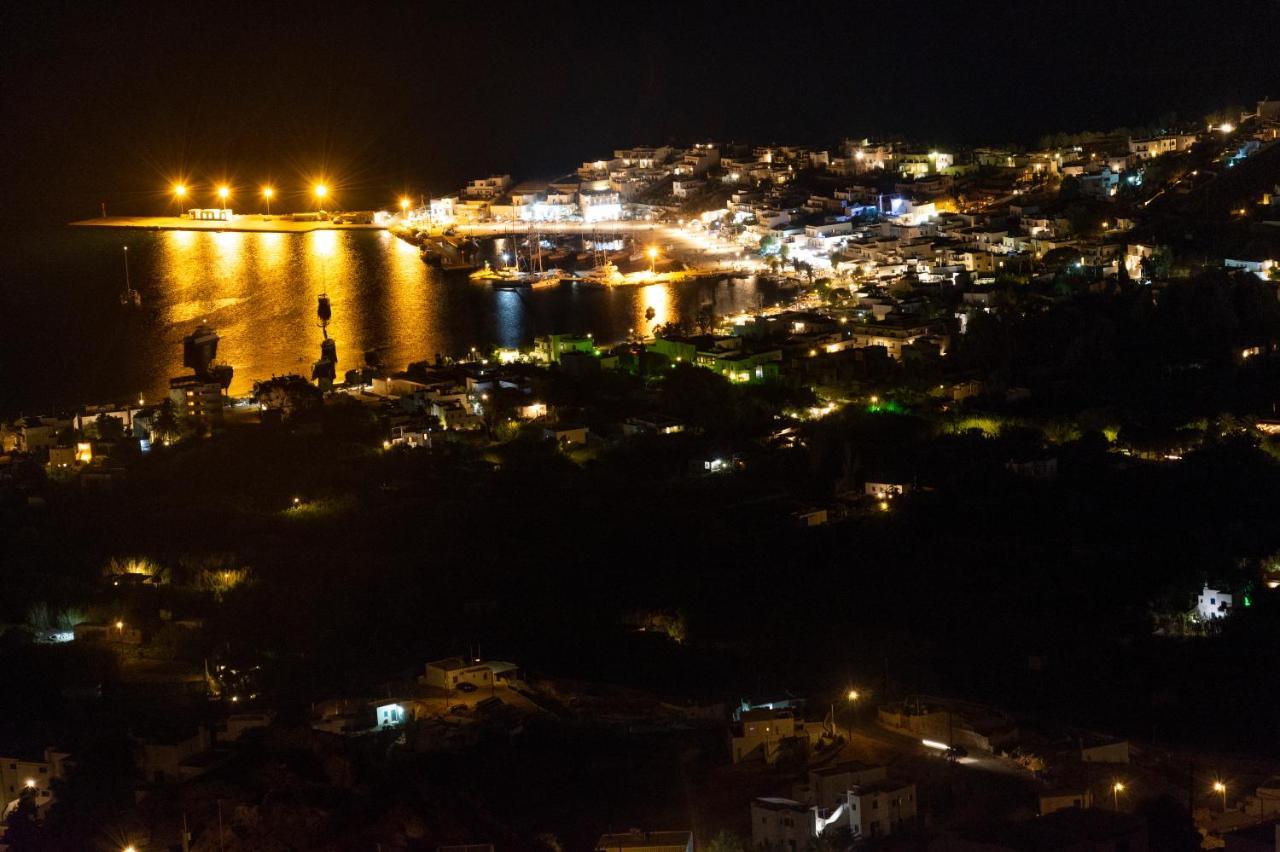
(251,224)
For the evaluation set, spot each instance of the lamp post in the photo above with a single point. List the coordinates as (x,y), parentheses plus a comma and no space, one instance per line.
(653,257)
(404,208)
(267,194)
(1116,789)
(321,191)
(223,194)
(179,193)
(1219,787)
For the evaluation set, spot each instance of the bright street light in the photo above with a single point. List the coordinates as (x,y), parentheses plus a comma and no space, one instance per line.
(404,205)
(268,193)
(1227,127)
(31,783)
(321,191)
(1116,789)
(224,193)
(179,191)
(853,695)
(653,257)
(1219,787)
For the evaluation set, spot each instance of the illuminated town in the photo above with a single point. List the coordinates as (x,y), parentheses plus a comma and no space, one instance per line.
(723,494)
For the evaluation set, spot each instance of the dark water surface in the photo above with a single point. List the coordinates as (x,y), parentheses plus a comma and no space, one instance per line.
(66,340)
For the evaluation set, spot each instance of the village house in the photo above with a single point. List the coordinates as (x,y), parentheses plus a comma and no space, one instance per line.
(450,672)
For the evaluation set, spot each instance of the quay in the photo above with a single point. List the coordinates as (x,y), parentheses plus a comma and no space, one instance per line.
(252,224)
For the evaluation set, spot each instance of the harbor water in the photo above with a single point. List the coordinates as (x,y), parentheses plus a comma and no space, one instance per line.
(65,338)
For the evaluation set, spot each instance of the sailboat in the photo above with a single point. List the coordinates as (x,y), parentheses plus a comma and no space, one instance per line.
(129,297)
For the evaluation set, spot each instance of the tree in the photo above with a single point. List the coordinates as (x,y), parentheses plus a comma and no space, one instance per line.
(109,428)
(1158,264)
(164,424)
(22,832)
(726,841)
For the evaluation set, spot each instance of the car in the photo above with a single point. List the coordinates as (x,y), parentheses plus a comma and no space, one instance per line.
(466,687)
(957,752)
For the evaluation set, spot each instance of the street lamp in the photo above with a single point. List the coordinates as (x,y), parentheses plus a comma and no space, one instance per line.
(1219,787)
(31,783)
(224,193)
(404,207)
(130,848)
(1116,789)
(853,695)
(321,192)
(267,194)
(120,626)
(653,257)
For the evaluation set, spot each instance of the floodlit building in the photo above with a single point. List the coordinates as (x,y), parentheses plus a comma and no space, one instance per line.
(487,188)
(195,398)
(211,214)
(452,671)
(762,733)
(600,205)
(880,808)
(1213,604)
(1146,149)
(1102,184)
(32,772)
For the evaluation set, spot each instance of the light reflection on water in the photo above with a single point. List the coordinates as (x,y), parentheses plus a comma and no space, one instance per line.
(259,291)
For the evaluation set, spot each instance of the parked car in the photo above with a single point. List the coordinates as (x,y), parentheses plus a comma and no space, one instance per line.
(466,687)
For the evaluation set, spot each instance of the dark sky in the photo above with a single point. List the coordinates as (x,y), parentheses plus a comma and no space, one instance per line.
(110,101)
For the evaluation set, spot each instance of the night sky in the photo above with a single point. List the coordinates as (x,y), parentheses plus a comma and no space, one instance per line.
(110,102)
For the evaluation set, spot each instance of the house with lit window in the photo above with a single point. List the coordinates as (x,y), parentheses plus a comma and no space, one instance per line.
(451,672)
(1149,148)
(880,808)
(781,824)
(487,188)
(764,734)
(195,398)
(35,772)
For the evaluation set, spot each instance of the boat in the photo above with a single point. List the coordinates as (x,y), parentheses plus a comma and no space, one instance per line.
(129,297)
(448,253)
(605,274)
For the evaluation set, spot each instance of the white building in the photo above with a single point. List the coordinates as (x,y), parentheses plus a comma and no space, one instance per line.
(880,808)
(783,825)
(1213,604)
(488,188)
(442,210)
(1147,149)
(598,206)
(1102,184)
(18,774)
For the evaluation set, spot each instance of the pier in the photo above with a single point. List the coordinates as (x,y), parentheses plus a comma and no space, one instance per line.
(251,224)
